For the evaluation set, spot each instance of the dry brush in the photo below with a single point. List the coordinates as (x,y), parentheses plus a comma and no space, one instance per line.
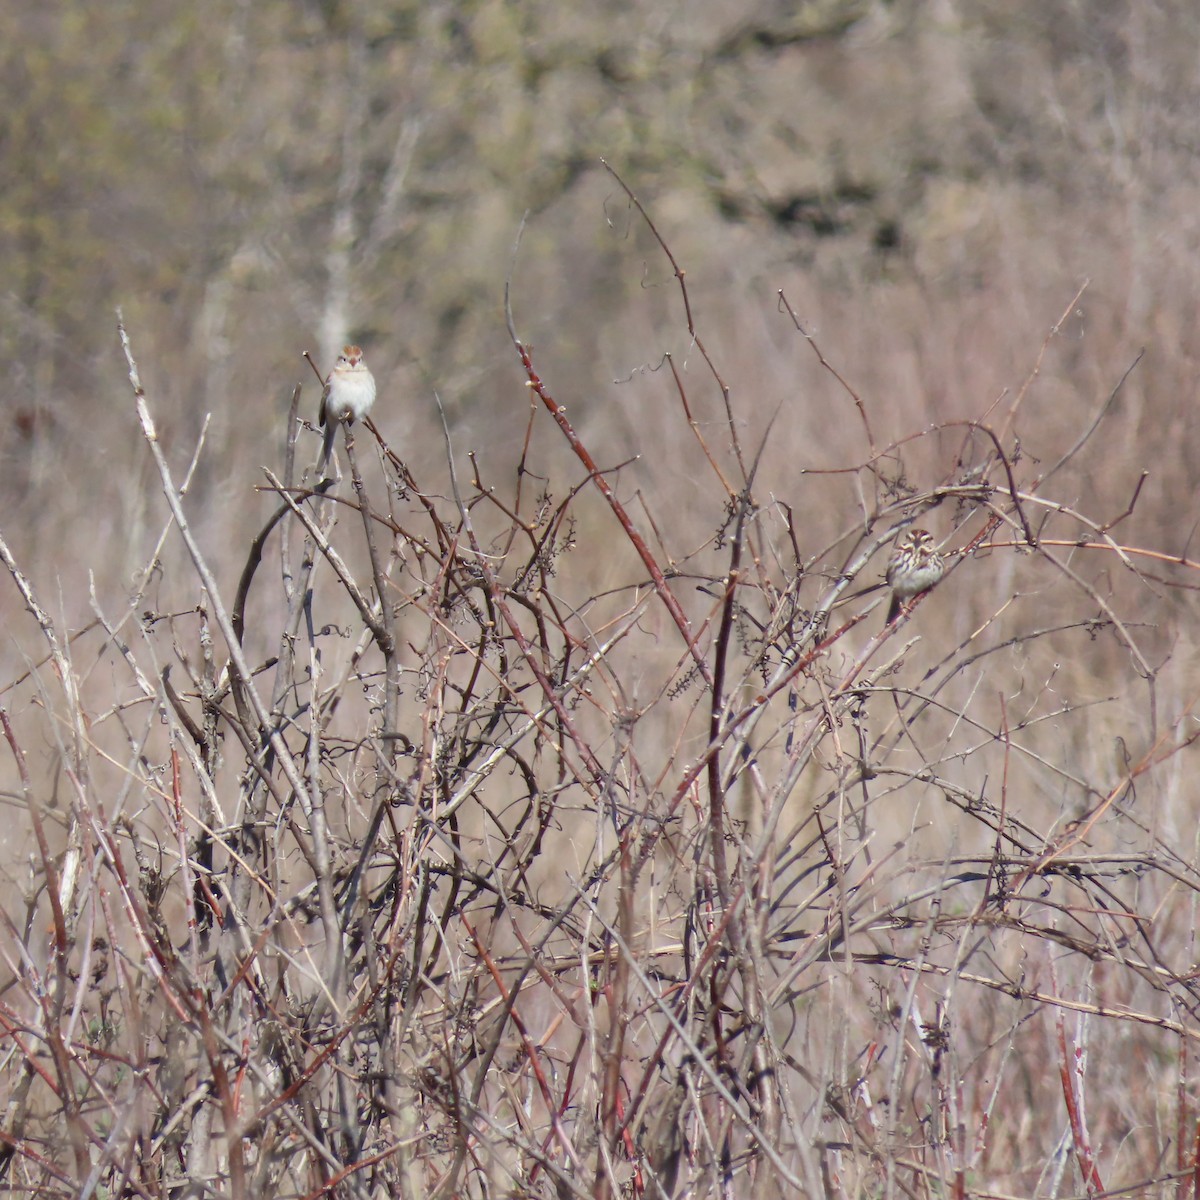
(489,837)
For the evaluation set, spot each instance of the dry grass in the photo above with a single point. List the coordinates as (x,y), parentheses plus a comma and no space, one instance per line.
(487,838)
(541,850)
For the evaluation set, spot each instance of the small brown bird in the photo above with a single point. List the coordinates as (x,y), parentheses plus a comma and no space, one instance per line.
(349,393)
(914,567)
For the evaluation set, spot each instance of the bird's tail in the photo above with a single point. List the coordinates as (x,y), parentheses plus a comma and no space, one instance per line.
(326,446)
(893,609)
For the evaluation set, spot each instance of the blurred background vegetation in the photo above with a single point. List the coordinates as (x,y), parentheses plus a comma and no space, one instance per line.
(929,183)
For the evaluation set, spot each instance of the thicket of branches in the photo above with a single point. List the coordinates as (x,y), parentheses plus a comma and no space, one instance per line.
(488,838)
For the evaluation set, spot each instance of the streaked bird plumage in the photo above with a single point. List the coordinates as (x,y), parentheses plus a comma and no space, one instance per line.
(914,567)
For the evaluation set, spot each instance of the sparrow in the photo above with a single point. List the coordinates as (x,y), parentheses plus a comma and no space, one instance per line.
(914,567)
(348,394)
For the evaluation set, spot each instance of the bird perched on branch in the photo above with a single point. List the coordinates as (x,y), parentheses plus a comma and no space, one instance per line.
(348,394)
(914,567)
